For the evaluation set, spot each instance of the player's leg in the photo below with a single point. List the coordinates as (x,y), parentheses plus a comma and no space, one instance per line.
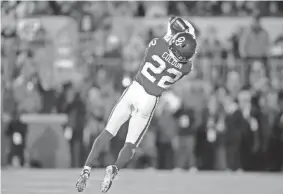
(138,125)
(119,115)
(137,128)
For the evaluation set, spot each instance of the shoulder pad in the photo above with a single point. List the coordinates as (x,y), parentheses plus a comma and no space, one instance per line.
(152,42)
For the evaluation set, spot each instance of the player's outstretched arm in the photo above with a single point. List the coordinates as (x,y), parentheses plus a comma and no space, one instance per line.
(176,25)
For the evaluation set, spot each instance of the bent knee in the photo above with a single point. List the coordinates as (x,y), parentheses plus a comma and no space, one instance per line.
(130,145)
(106,135)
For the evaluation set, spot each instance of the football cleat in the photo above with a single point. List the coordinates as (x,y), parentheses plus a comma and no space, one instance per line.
(82,181)
(110,173)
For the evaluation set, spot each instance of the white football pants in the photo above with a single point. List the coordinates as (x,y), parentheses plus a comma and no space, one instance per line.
(138,106)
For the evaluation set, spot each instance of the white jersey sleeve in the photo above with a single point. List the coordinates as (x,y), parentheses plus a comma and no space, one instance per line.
(191,29)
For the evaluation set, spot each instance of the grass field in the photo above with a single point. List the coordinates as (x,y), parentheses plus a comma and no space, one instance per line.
(28,181)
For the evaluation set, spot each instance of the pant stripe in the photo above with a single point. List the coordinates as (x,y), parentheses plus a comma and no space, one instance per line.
(147,124)
(125,91)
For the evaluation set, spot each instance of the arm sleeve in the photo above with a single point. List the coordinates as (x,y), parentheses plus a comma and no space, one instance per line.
(191,29)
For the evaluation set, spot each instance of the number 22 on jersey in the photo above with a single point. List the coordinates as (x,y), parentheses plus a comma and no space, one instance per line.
(166,81)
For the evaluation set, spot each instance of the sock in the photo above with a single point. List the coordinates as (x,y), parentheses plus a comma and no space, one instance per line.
(125,155)
(98,145)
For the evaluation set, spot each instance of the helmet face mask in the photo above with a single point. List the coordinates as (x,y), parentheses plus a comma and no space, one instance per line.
(182,46)
(177,55)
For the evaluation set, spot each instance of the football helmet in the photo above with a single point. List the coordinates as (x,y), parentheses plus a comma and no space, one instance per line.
(182,46)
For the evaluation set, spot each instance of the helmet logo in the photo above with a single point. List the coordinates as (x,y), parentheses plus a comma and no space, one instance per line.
(180,40)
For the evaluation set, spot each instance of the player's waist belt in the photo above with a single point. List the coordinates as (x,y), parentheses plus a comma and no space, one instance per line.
(149,93)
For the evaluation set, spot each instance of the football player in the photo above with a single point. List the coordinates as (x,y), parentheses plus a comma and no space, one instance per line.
(166,61)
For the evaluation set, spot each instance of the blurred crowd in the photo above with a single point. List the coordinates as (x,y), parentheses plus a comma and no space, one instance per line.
(226,115)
